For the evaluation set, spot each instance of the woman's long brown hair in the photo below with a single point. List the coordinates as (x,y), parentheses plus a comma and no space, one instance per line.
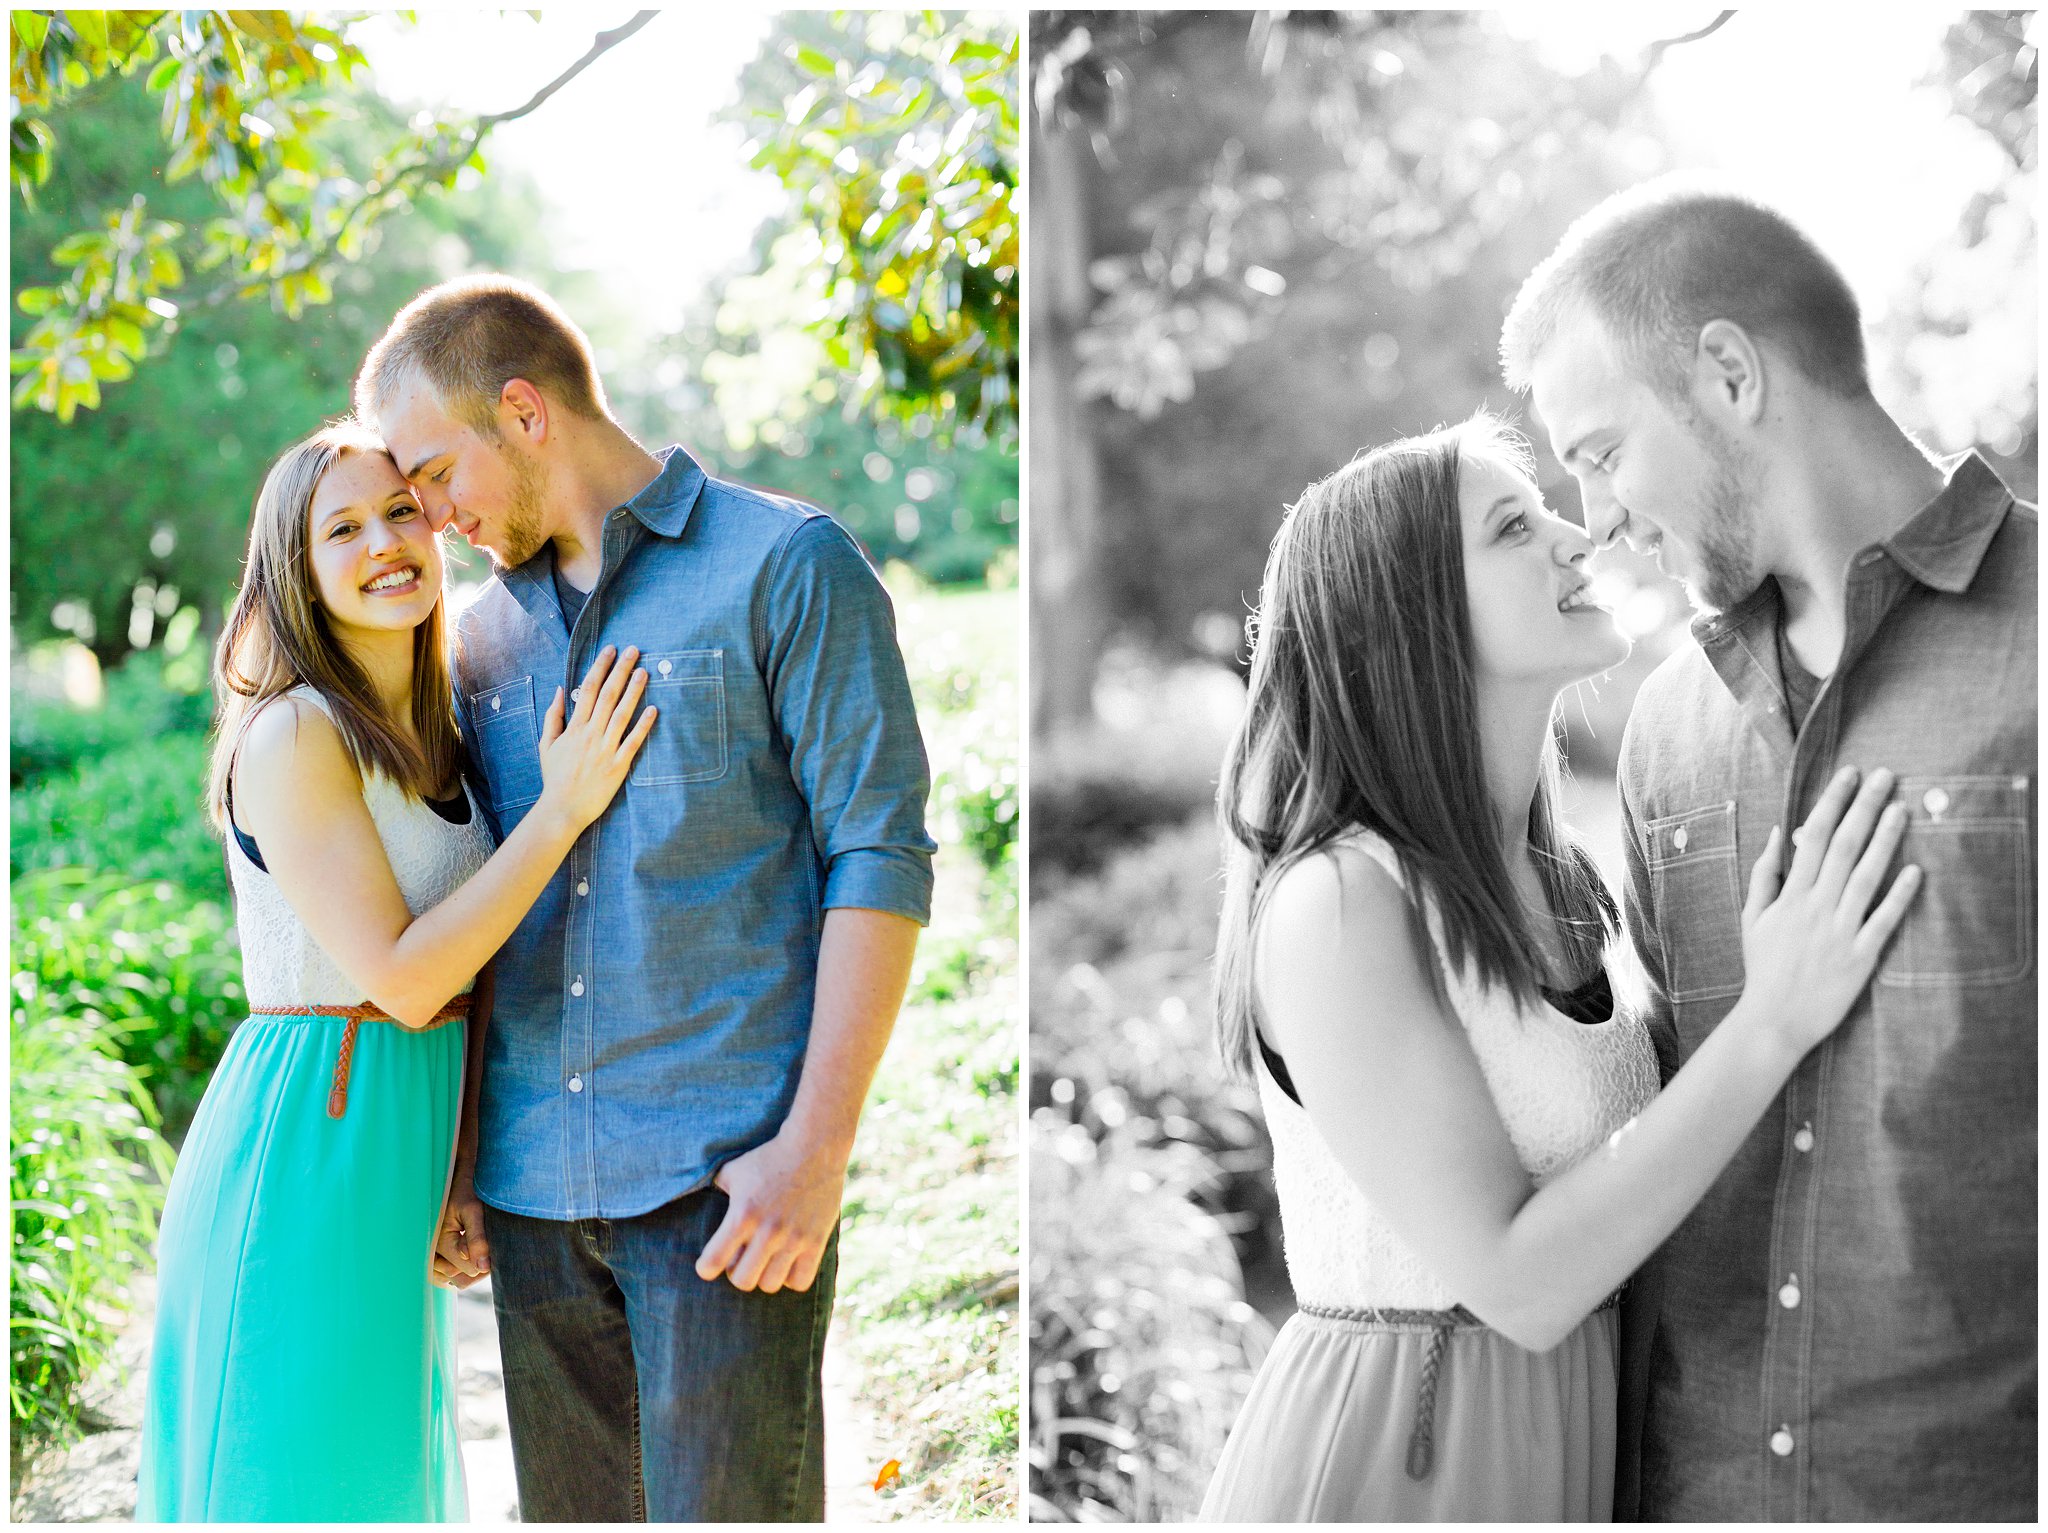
(278,637)
(1362,712)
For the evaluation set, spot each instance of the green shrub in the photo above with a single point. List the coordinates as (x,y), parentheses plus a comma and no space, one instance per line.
(137,810)
(147,698)
(964,679)
(1142,1342)
(1122,1010)
(1079,824)
(975,800)
(144,965)
(1142,1346)
(88,1171)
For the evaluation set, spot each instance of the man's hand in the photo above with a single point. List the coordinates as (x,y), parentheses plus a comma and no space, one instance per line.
(785,1204)
(462,1253)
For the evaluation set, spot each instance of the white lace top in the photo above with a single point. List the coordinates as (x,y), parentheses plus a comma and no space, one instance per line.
(1561,1088)
(281,963)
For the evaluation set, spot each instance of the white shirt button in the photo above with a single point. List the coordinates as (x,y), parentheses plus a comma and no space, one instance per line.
(575,1083)
(576,696)
(497,703)
(577,988)
(1802,1141)
(666,666)
(1679,838)
(1789,1294)
(1781,1442)
(582,886)
(1936,802)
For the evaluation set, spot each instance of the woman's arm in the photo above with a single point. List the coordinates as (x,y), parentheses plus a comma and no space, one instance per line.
(462,1249)
(298,793)
(1390,1080)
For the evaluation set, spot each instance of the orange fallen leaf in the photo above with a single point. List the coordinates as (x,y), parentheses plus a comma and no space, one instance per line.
(891,1473)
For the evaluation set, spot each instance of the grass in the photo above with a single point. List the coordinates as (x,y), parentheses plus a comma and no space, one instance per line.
(929,1251)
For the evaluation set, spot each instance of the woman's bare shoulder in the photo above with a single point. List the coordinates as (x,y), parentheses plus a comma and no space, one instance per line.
(1341,885)
(290,740)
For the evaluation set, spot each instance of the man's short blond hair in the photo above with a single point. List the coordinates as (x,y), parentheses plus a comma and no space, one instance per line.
(468,338)
(1655,263)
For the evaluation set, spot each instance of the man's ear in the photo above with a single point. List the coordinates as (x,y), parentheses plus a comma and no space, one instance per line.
(1728,370)
(523,410)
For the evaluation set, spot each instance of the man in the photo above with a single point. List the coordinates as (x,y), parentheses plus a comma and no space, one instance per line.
(687,1022)
(1846,1326)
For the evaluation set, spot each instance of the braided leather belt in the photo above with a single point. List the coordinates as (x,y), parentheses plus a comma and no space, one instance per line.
(1441,1322)
(456,1010)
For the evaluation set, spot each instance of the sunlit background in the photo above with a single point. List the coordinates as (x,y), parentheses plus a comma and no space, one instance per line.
(1262,242)
(643,186)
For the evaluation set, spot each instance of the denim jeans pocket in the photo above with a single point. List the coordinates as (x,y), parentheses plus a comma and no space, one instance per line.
(1972,922)
(508,738)
(688,743)
(1692,860)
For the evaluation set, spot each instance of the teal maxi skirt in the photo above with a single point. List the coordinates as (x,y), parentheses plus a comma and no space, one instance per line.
(304,1366)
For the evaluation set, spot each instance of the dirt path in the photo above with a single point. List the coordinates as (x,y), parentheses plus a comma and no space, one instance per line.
(94,1480)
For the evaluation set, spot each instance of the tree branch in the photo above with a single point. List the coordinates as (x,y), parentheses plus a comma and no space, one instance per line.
(1664,45)
(603,43)
(427,167)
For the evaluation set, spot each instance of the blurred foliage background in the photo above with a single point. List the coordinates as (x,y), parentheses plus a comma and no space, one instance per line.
(214,215)
(1262,242)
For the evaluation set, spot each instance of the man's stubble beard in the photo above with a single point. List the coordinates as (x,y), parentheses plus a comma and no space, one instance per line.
(1728,565)
(524,523)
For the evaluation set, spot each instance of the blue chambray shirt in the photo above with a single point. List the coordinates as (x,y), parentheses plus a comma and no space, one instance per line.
(654,1006)
(1844,1328)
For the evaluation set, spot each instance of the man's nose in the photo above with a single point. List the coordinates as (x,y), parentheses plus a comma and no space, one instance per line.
(1604,516)
(439,509)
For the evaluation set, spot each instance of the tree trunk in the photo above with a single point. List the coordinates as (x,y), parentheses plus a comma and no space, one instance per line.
(1068,616)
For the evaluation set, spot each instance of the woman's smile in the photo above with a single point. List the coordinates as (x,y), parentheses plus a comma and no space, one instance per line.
(402,581)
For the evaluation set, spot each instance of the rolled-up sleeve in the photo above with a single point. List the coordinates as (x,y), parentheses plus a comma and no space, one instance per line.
(843,708)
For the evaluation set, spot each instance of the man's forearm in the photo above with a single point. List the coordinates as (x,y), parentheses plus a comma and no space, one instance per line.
(863,969)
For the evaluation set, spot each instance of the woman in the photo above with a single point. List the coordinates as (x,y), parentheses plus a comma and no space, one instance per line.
(303,1366)
(1469,1159)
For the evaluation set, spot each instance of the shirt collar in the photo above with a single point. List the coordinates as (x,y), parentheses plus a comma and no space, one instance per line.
(1940,546)
(665,505)
(1946,539)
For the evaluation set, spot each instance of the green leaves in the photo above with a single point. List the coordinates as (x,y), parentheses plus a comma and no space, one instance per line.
(97,324)
(87,1167)
(91,27)
(30,28)
(897,135)
(244,95)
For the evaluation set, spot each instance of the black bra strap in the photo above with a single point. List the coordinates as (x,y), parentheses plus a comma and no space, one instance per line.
(1278,1067)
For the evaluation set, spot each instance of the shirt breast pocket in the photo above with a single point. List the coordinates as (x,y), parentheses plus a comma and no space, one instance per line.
(508,739)
(1692,860)
(1972,922)
(688,743)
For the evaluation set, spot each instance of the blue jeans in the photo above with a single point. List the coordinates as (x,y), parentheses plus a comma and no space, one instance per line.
(638,1392)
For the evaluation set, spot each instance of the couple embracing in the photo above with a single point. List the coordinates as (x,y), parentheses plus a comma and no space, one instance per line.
(571,948)
(1761,1244)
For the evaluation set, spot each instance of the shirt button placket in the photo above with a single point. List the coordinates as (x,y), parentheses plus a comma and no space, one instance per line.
(1784,1345)
(577,1042)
